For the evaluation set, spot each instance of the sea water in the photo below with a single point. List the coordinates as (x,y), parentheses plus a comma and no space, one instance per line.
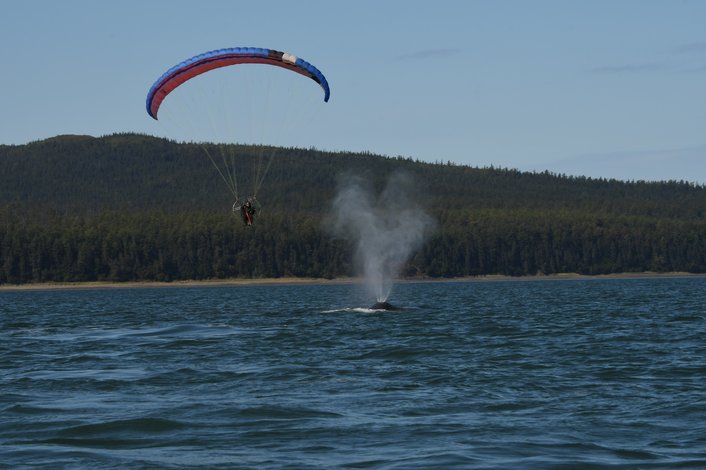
(507,374)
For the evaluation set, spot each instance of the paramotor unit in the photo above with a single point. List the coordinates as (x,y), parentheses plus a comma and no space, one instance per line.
(247,210)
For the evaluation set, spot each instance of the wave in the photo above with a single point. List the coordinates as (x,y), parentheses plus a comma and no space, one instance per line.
(353,309)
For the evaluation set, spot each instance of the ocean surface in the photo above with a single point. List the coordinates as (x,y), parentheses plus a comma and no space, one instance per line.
(597,373)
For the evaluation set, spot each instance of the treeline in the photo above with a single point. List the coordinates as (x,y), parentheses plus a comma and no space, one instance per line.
(158,246)
(526,242)
(166,247)
(133,207)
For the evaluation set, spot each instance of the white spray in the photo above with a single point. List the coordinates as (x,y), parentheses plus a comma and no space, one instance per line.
(384,230)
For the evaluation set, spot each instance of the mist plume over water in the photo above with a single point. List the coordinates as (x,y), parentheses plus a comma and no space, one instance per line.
(385,230)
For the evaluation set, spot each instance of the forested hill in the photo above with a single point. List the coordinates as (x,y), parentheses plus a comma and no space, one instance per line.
(135,207)
(80,174)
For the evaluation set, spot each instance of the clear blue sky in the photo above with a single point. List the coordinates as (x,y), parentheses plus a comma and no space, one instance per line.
(610,88)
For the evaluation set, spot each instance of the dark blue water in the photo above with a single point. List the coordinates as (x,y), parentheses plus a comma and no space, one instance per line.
(520,374)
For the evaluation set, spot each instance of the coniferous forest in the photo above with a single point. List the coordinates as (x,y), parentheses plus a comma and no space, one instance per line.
(129,207)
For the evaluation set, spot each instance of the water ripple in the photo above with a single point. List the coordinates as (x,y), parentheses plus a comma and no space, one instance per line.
(575,374)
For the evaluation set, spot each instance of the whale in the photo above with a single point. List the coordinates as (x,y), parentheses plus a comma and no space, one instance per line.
(383,306)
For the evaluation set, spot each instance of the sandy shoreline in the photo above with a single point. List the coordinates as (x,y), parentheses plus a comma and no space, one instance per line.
(157,284)
(321,281)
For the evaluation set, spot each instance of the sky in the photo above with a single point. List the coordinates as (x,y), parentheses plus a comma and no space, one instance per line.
(600,88)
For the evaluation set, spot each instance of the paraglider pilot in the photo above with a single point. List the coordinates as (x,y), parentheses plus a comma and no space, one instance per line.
(247,211)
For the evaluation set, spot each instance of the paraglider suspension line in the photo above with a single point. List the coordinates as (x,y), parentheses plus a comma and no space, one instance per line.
(230,181)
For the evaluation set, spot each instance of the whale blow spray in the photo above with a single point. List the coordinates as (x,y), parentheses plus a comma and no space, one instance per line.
(384,230)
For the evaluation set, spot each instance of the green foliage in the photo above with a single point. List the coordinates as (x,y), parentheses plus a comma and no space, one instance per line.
(134,207)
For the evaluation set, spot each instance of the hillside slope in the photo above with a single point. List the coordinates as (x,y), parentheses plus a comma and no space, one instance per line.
(74,174)
(135,207)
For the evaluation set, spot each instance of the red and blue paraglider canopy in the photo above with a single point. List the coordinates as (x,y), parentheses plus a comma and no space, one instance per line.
(202,63)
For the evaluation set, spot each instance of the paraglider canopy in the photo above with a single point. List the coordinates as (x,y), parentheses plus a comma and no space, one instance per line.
(202,63)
